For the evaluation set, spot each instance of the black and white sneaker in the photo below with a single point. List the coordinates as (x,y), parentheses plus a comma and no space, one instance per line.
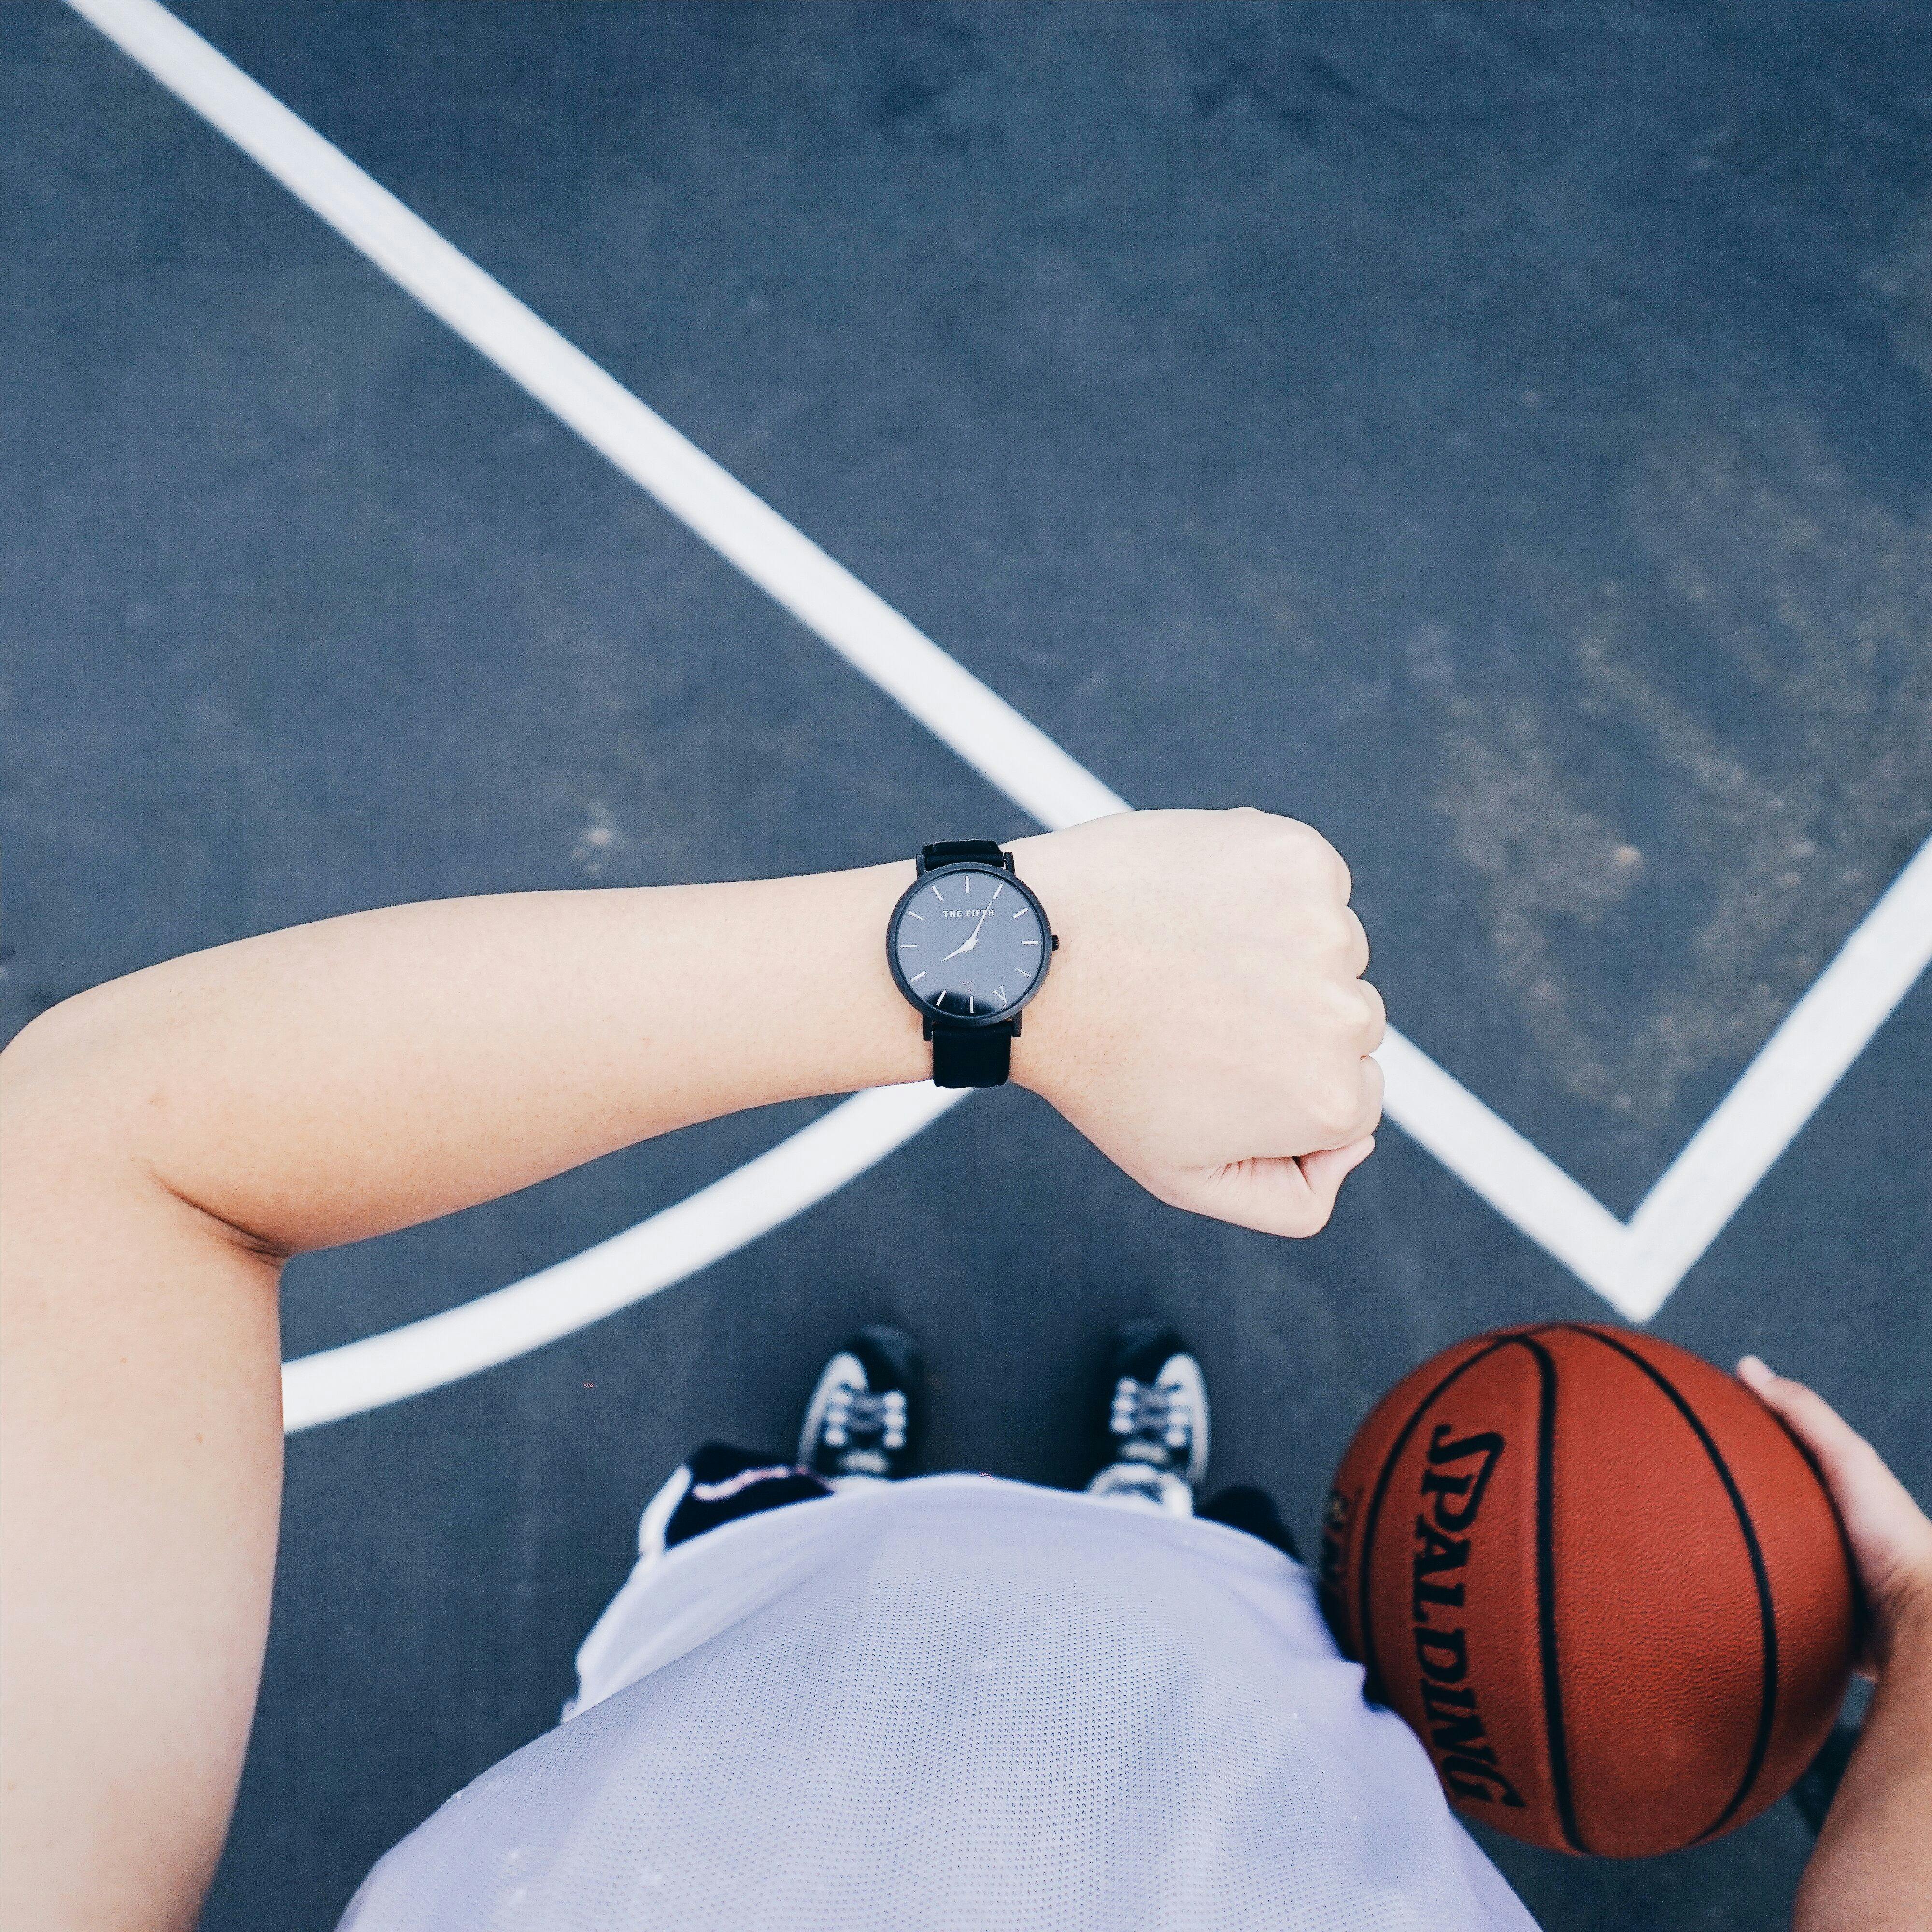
(1156,1426)
(865,1417)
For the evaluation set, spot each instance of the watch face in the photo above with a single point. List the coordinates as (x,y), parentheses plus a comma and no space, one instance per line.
(970,943)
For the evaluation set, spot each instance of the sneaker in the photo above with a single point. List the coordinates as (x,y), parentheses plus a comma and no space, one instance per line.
(863,1422)
(1156,1423)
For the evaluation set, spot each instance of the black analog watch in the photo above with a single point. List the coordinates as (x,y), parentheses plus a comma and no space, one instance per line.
(969,945)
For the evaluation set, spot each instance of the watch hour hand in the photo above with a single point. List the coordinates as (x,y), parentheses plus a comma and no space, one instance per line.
(971,942)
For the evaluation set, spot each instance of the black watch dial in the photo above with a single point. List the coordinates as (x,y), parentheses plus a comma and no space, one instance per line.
(969,942)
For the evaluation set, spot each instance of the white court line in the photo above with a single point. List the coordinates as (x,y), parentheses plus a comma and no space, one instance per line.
(1633,1268)
(1514,1175)
(1010,751)
(714,1221)
(1780,1090)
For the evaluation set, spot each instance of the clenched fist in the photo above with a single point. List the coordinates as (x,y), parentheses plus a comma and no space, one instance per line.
(1206,1023)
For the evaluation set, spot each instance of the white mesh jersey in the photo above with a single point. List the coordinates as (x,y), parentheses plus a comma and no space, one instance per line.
(955,1703)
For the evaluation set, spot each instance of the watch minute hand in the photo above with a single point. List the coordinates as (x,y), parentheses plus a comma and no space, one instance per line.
(971,942)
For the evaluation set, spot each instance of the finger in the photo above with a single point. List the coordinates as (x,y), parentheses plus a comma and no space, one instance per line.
(1358,942)
(1332,1106)
(1890,1536)
(1355,1111)
(1376,1028)
(1324,1172)
(1289,1197)
(1841,1450)
(1371,1096)
(1354,1006)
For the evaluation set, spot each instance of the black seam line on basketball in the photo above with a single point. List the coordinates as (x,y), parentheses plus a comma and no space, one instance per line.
(1553,1731)
(1374,1685)
(1766,1611)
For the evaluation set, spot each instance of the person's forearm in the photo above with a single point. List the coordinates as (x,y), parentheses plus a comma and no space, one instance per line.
(333,1081)
(1872,1869)
(336,1080)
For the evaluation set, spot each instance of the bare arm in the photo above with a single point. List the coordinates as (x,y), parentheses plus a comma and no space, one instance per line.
(171,1138)
(1872,1869)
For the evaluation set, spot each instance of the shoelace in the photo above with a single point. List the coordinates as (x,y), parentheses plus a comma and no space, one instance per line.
(855,1419)
(1150,1423)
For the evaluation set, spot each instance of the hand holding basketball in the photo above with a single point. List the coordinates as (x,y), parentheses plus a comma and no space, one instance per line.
(1206,1024)
(1890,1535)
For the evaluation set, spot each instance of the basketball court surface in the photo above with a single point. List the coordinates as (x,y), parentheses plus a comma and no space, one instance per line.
(757,439)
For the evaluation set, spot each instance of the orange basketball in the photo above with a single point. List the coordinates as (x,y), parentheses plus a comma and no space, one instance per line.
(1600,1581)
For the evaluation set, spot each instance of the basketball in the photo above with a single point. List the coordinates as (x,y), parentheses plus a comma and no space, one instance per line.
(1599,1579)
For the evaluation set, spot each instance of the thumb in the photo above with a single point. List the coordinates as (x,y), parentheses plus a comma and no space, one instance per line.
(1292,1196)
(1891,1538)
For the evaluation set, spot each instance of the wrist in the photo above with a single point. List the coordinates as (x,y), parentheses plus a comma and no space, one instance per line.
(1058,1028)
(1902,1626)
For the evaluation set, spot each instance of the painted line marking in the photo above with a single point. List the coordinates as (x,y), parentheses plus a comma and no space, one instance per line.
(670,1246)
(1013,753)
(1810,1052)
(1634,1268)
(1512,1173)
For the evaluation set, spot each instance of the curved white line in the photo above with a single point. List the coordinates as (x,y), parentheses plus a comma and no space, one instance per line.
(714,1221)
(1634,1267)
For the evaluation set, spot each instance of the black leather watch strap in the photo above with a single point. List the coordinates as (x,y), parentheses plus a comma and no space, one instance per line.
(950,852)
(972,1056)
